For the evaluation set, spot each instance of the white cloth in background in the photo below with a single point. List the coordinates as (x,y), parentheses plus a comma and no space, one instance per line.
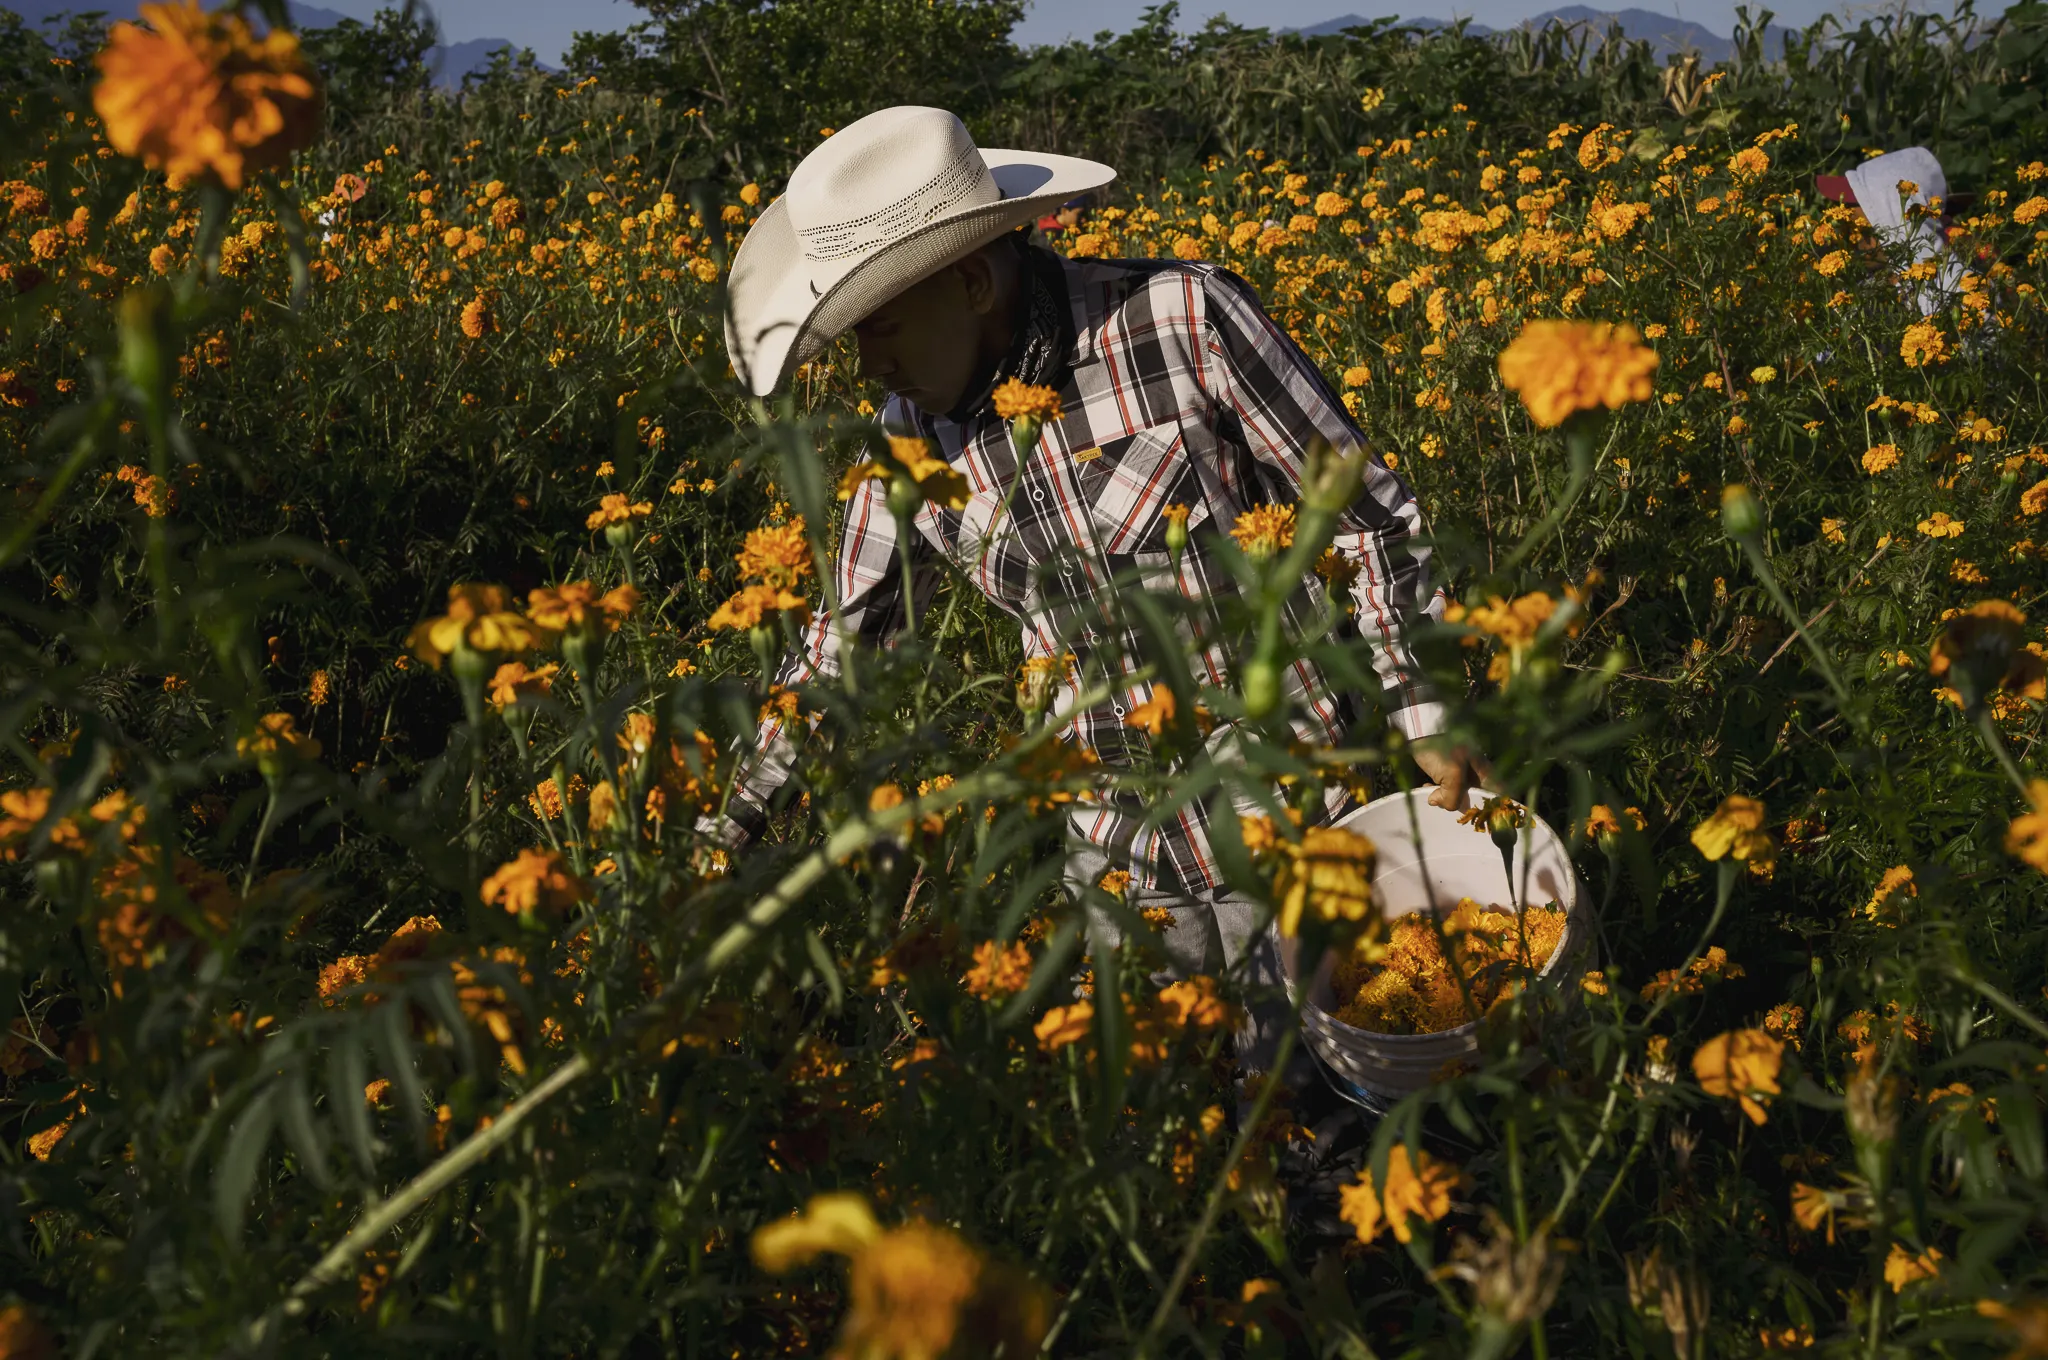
(1876,183)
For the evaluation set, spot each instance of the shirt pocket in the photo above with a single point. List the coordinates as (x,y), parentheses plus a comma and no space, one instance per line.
(1129,482)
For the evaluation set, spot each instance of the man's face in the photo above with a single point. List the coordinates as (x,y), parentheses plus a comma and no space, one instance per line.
(924,344)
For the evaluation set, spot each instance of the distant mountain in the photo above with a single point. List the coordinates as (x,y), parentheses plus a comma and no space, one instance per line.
(450,62)
(1665,33)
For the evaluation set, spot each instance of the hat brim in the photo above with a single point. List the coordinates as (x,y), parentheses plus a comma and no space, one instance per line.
(1835,187)
(776,319)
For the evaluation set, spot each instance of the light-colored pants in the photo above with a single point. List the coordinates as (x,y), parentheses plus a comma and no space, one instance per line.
(1212,932)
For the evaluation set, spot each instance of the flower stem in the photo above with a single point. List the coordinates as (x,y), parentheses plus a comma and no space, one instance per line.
(1578,443)
(1995,743)
(1753,550)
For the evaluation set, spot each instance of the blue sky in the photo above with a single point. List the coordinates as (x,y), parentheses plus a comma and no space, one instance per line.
(547,25)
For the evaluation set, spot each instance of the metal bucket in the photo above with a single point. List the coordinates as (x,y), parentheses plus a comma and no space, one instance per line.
(1427,861)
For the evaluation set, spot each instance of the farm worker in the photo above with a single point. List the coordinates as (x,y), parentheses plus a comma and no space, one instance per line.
(1884,189)
(1176,388)
(1069,217)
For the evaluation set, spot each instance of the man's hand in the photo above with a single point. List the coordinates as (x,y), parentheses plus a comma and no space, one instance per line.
(1453,770)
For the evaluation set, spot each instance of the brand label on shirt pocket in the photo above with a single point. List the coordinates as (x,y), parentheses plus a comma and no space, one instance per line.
(1129,481)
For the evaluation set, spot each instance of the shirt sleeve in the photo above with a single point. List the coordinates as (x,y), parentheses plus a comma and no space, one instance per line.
(868,576)
(1281,405)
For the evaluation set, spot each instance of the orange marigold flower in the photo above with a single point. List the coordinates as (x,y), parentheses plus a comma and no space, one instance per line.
(514,682)
(1264,530)
(1000,971)
(1155,714)
(616,509)
(1418,1187)
(1063,1025)
(1923,343)
(1561,367)
(1014,399)
(534,881)
(198,93)
(751,606)
(479,320)
(776,554)
(579,605)
(276,736)
(1742,1063)
(1902,1267)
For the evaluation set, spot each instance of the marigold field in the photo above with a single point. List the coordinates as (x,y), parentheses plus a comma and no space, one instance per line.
(392,565)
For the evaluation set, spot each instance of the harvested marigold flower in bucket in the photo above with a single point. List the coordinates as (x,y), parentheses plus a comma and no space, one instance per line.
(1409,986)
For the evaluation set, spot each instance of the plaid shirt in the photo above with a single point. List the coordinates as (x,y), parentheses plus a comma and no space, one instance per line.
(1179,389)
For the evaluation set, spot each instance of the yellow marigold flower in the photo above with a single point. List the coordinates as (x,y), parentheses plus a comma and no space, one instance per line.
(616,509)
(2027,836)
(1244,233)
(1832,263)
(162,259)
(477,619)
(1880,458)
(776,554)
(198,93)
(1000,971)
(578,605)
(2027,212)
(1736,828)
(750,606)
(319,690)
(1902,1267)
(1418,1186)
(1742,1063)
(1338,571)
(1063,1025)
(1749,162)
(1813,1208)
(1264,530)
(1331,204)
(1325,876)
(1831,530)
(534,881)
(603,809)
(1115,882)
(478,320)
(514,682)
(1561,367)
(840,1222)
(1358,375)
(1190,248)
(1155,715)
(276,735)
(1015,398)
(1923,343)
(1763,374)
(1939,525)
(1594,983)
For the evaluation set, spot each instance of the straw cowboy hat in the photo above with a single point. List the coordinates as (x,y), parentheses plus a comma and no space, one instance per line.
(882,204)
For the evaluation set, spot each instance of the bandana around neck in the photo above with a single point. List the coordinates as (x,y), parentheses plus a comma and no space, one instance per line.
(1044,339)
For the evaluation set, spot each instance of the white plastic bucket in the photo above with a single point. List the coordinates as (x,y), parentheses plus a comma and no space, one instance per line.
(1428,860)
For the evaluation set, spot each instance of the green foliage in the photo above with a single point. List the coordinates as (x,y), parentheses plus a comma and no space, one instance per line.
(244,1107)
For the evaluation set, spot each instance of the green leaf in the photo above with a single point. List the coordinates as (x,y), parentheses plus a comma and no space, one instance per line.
(302,1131)
(234,1177)
(347,1076)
